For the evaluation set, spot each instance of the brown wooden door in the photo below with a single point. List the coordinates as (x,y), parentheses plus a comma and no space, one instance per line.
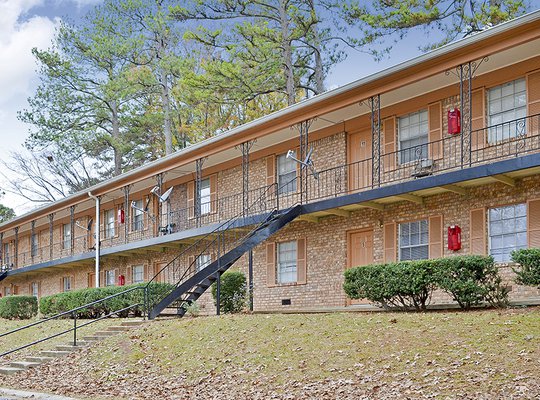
(91,280)
(359,156)
(162,276)
(360,253)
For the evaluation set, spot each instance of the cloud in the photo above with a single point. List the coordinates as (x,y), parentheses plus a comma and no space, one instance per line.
(19,33)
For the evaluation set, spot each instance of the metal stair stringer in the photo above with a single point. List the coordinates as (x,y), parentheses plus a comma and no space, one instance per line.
(207,274)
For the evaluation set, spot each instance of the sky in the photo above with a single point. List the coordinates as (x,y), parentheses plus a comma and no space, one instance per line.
(25,24)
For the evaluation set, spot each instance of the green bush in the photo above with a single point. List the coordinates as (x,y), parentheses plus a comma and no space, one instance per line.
(62,302)
(406,285)
(233,293)
(18,307)
(528,272)
(471,280)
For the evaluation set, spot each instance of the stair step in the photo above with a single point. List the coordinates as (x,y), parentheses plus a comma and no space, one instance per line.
(10,370)
(105,333)
(68,347)
(55,353)
(39,359)
(132,323)
(24,364)
(119,328)
(92,338)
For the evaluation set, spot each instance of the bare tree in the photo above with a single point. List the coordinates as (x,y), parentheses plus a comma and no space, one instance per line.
(47,176)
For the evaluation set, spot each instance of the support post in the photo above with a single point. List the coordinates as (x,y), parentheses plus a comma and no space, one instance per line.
(72,228)
(159,181)
(197,198)
(16,252)
(33,248)
(51,235)
(245,149)
(2,261)
(303,130)
(98,236)
(465,73)
(127,212)
(250,279)
(218,293)
(375,105)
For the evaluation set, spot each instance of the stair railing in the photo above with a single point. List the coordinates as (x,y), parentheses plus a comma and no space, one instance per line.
(73,313)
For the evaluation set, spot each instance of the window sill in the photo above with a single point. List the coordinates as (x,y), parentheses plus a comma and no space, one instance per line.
(289,284)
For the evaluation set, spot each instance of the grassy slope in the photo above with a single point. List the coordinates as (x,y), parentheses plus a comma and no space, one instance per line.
(383,355)
(42,331)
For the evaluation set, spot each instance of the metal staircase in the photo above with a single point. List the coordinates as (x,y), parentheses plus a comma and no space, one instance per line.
(193,282)
(195,268)
(3,274)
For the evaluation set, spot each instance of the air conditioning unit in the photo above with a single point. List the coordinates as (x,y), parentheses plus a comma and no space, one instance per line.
(423,167)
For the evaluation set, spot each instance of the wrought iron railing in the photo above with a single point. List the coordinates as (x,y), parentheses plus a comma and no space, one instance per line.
(77,324)
(496,142)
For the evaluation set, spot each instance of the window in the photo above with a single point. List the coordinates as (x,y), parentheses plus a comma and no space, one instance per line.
(109,223)
(203,261)
(507,108)
(286,262)
(138,273)
(286,169)
(413,136)
(110,277)
(413,240)
(7,291)
(66,283)
(34,244)
(507,231)
(138,214)
(204,197)
(66,236)
(34,286)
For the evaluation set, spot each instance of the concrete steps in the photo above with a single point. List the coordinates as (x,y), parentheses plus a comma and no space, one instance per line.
(63,350)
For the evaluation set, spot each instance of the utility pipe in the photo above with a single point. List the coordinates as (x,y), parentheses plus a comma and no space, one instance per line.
(97,235)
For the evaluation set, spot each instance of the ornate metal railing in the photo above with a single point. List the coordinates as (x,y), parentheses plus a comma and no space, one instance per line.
(496,142)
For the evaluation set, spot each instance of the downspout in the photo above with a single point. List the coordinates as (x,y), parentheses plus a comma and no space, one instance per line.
(98,238)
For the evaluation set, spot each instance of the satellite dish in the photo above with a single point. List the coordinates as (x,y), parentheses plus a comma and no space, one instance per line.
(165,196)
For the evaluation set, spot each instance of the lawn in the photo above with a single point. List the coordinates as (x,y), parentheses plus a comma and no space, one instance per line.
(480,354)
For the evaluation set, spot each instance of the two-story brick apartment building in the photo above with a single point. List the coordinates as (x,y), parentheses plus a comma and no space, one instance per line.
(448,139)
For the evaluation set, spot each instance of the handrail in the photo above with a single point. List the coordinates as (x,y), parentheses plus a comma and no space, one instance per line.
(74,329)
(71,311)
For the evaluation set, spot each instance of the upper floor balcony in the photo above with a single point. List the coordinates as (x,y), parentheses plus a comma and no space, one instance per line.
(136,221)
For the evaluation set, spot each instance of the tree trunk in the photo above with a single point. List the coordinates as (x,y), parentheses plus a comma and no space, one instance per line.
(287,52)
(166,103)
(116,138)
(319,73)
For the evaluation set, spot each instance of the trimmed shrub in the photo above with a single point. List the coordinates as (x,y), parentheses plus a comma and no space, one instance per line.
(62,302)
(471,281)
(407,285)
(528,271)
(233,293)
(18,307)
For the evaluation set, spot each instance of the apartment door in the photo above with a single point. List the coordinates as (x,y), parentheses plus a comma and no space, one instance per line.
(359,159)
(161,276)
(360,253)
(91,280)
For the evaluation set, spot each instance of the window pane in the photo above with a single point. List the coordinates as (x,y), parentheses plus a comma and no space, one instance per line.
(286,257)
(286,174)
(507,231)
(506,103)
(413,240)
